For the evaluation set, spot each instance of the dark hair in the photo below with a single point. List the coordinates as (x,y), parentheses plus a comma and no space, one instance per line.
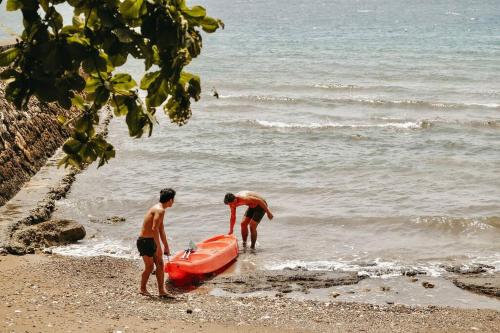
(166,194)
(228,198)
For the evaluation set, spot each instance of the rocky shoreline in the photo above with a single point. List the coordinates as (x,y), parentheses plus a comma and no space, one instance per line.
(30,233)
(27,140)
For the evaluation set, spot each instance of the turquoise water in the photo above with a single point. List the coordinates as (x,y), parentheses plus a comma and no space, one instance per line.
(371,127)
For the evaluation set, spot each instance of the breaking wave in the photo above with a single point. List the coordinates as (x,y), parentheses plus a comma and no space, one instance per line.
(405,103)
(328,125)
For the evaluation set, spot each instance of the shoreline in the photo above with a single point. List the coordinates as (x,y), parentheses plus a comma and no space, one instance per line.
(57,293)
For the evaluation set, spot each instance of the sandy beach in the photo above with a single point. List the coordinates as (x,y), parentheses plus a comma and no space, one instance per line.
(52,293)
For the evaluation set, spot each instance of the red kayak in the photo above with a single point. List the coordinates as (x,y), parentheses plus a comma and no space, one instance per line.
(208,256)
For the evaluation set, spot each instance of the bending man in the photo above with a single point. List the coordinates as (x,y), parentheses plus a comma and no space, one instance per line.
(257,207)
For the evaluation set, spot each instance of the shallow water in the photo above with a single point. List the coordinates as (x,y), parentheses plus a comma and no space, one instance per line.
(371,128)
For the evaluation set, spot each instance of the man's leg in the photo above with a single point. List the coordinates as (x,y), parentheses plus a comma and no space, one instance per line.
(253,233)
(148,268)
(244,230)
(160,275)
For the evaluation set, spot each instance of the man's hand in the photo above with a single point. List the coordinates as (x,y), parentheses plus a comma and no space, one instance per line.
(166,251)
(270,215)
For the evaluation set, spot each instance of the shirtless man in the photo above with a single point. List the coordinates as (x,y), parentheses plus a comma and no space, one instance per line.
(257,207)
(149,245)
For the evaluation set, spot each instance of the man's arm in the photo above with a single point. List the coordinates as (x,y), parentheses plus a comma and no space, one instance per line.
(163,236)
(157,219)
(232,219)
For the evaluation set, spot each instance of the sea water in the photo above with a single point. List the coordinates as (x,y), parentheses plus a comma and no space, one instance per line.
(372,128)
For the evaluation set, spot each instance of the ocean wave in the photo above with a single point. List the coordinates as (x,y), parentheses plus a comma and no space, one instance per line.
(378,268)
(382,123)
(459,225)
(329,125)
(405,103)
(426,123)
(351,87)
(94,248)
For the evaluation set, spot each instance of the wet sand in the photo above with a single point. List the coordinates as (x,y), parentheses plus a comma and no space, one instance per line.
(51,293)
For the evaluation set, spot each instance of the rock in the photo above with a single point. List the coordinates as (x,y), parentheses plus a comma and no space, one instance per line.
(108,220)
(189,311)
(426,284)
(468,269)
(46,234)
(385,288)
(488,284)
(3,251)
(412,272)
(335,295)
(414,280)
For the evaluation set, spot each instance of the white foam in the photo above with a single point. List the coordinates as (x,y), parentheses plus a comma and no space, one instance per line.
(314,125)
(378,269)
(92,248)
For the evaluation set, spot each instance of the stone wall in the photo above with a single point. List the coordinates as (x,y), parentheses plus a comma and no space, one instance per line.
(27,139)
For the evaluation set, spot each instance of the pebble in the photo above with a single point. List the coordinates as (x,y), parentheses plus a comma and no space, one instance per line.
(426,284)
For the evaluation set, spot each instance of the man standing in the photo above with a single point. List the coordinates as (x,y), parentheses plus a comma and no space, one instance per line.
(257,207)
(149,245)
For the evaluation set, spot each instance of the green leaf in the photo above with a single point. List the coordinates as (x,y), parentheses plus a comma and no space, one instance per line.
(101,95)
(44,4)
(124,35)
(148,79)
(13,5)
(209,24)
(77,22)
(118,59)
(195,12)
(96,64)
(72,146)
(81,136)
(8,74)
(157,97)
(123,83)
(119,104)
(133,120)
(78,39)
(55,19)
(8,56)
(132,9)
(83,124)
(78,102)
(92,83)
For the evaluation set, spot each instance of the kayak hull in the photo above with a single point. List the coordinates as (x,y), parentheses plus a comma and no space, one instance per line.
(210,255)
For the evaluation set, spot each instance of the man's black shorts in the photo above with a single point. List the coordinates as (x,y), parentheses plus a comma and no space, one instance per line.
(256,213)
(146,246)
